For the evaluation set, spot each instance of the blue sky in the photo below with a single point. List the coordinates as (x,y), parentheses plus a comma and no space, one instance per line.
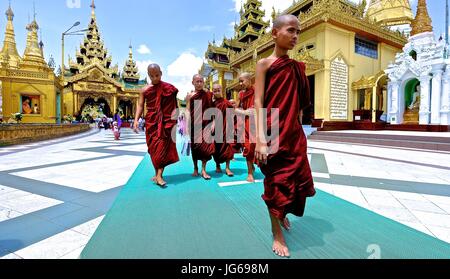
(173,33)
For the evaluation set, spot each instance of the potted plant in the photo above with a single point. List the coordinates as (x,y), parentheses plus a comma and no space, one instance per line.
(17,117)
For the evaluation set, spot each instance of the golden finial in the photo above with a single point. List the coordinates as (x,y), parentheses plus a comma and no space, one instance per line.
(422,22)
(9,13)
(93,8)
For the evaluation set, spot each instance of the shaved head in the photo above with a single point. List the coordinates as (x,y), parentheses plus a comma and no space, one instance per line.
(282,20)
(154,67)
(246,75)
(197,76)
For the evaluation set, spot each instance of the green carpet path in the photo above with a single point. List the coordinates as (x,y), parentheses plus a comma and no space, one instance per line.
(196,219)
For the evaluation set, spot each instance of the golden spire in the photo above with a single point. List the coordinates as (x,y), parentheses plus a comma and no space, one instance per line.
(130,70)
(93,9)
(9,51)
(33,52)
(422,22)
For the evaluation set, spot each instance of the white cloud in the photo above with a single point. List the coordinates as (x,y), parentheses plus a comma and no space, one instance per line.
(142,66)
(181,71)
(201,28)
(143,49)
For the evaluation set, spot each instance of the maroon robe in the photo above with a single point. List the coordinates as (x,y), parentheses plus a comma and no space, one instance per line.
(201,149)
(288,178)
(224,151)
(247,102)
(161,101)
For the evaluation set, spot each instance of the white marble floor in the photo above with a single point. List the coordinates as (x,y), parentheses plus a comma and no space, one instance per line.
(62,190)
(52,198)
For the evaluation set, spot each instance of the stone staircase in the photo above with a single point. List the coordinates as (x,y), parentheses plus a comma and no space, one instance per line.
(427,142)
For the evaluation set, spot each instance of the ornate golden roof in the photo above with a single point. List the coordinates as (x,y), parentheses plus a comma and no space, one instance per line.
(130,70)
(251,24)
(390,12)
(92,50)
(422,22)
(9,53)
(313,12)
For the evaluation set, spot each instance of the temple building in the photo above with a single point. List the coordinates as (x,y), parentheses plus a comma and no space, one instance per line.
(91,80)
(419,79)
(345,51)
(28,85)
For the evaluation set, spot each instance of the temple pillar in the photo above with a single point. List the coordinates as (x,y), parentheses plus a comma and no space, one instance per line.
(436,97)
(374,104)
(393,104)
(445,99)
(425,100)
(114,104)
(75,103)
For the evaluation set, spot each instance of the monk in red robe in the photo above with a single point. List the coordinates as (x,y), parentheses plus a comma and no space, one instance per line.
(245,108)
(224,150)
(200,130)
(281,84)
(161,101)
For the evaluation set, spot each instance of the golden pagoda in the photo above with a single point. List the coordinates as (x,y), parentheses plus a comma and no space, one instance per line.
(422,22)
(33,88)
(249,29)
(344,50)
(130,70)
(390,12)
(93,81)
(9,52)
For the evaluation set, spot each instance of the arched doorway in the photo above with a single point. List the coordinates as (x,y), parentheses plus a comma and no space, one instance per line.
(126,109)
(412,101)
(308,114)
(92,109)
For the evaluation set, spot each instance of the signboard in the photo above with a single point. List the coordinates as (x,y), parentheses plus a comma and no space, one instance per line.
(339,90)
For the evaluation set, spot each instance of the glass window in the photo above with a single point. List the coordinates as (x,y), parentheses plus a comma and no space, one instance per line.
(366,47)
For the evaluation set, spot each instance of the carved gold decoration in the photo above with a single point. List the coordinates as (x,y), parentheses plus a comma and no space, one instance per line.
(422,22)
(367,83)
(313,65)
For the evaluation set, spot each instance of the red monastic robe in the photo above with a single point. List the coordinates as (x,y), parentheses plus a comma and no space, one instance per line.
(224,151)
(288,178)
(247,102)
(201,149)
(161,101)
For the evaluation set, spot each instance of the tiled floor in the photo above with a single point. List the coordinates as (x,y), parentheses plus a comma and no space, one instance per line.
(54,195)
(53,198)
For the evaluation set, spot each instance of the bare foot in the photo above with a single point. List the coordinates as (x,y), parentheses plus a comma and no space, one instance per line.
(195,174)
(250,178)
(286,224)
(229,173)
(218,170)
(279,246)
(205,175)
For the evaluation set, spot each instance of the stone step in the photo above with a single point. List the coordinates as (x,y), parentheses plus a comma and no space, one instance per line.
(418,138)
(404,142)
